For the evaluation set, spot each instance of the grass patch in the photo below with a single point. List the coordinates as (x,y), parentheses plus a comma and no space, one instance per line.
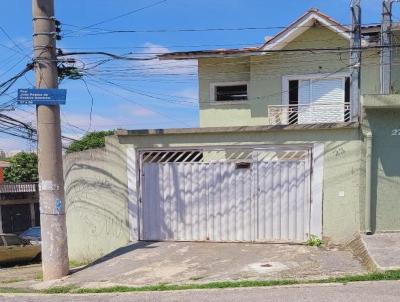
(384,276)
(39,276)
(314,241)
(60,289)
(389,275)
(74,264)
(169,287)
(16,290)
(15,280)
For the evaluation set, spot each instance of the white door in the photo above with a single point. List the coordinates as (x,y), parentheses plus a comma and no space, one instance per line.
(260,198)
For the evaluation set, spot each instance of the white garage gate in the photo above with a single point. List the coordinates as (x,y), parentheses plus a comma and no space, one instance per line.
(227,194)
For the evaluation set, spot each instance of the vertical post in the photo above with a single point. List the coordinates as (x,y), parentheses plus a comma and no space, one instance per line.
(355,60)
(386,51)
(32,211)
(51,182)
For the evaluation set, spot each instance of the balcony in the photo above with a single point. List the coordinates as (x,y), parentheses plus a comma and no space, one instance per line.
(26,187)
(315,113)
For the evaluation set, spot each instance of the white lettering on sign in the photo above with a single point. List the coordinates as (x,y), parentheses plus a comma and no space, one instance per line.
(396,132)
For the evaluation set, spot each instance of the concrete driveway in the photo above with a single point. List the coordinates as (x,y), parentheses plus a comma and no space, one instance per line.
(145,263)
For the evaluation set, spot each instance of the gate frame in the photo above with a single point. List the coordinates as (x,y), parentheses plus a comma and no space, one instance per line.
(135,170)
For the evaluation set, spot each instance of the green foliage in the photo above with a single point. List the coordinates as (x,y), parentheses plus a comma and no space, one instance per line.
(314,241)
(91,140)
(24,168)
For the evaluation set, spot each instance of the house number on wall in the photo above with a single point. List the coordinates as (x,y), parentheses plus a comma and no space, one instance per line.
(396,132)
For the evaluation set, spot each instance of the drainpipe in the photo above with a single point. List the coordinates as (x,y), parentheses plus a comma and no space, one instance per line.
(368,181)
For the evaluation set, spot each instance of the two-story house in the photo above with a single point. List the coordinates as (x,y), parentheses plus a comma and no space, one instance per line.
(283,151)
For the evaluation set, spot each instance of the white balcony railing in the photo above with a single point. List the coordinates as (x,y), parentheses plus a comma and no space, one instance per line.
(26,187)
(308,113)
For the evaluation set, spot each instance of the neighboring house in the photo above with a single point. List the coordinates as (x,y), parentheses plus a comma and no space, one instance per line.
(19,207)
(283,152)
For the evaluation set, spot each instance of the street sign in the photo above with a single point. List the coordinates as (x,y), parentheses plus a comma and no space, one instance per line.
(42,96)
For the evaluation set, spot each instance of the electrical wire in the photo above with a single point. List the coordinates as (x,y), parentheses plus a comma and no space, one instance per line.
(119,16)
(91,104)
(104,31)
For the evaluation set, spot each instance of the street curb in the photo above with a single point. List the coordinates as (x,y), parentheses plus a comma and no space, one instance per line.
(359,249)
(334,284)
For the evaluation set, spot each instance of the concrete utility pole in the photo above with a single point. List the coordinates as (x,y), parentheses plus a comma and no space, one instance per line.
(355,60)
(386,51)
(51,181)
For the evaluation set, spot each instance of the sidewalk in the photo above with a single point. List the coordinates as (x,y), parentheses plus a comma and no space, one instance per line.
(154,263)
(384,249)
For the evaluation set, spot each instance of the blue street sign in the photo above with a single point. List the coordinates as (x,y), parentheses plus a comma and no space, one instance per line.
(42,96)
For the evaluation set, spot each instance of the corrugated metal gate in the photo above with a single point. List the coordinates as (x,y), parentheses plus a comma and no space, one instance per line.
(244,194)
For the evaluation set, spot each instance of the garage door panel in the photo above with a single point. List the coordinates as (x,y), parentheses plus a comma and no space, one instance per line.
(282,203)
(229,203)
(259,199)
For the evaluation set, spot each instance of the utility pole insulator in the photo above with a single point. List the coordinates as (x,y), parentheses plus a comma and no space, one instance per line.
(355,60)
(51,181)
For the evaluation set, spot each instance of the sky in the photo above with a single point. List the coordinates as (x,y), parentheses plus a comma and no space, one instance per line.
(142,94)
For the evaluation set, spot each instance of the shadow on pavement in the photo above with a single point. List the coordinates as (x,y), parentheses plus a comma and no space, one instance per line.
(118,252)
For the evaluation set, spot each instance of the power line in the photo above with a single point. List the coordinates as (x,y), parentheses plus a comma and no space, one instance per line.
(9,38)
(104,31)
(119,16)
(108,54)
(91,104)
(136,103)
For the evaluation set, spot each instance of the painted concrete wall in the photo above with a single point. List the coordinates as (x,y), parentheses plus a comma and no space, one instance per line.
(265,73)
(97,189)
(96,201)
(383,118)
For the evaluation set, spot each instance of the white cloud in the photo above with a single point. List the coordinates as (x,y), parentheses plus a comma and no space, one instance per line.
(161,67)
(136,111)
(82,121)
(190,94)
(22,42)
(12,145)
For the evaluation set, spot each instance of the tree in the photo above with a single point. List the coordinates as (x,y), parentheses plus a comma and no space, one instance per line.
(91,140)
(24,168)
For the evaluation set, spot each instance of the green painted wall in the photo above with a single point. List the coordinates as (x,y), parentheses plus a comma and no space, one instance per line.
(96,201)
(96,183)
(385,127)
(264,74)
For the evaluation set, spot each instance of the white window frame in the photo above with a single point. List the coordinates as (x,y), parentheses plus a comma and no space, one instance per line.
(213,97)
(311,77)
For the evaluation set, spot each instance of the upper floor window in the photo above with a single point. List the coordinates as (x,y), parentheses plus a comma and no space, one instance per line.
(226,92)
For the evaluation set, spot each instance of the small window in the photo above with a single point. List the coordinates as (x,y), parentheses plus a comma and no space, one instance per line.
(231,93)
